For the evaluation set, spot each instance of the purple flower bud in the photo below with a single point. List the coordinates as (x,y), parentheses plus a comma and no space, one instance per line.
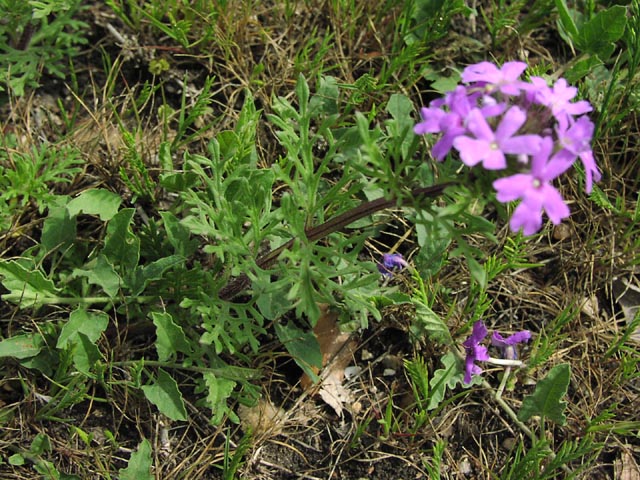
(391,262)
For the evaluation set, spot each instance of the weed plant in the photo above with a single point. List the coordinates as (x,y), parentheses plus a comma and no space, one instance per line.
(168,284)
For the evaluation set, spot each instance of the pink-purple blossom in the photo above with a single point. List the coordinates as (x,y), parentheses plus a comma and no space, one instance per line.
(535,190)
(533,130)
(490,147)
(474,351)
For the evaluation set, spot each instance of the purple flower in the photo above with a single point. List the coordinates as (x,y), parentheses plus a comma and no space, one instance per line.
(508,344)
(450,123)
(475,351)
(390,262)
(489,147)
(575,140)
(535,191)
(558,98)
(505,79)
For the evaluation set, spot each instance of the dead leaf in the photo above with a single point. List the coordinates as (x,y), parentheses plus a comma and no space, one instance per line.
(337,353)
(626,467)
(626,292)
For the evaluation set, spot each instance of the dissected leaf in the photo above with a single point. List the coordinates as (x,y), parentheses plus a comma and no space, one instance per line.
(546,401)
(170,337)
(443,378)
(140,463)
(220,390)
(165,395)
(96,201)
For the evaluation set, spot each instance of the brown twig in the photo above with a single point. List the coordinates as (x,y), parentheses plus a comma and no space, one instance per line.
(236,285)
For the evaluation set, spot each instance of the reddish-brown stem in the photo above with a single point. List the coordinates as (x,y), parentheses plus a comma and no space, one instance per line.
(335,224)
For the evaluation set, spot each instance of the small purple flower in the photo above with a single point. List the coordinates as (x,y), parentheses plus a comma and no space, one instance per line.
(391,262)
(558,98)
(489,147)
(505,79)
(535,191)
(475,351)
(575,140)
(508,344)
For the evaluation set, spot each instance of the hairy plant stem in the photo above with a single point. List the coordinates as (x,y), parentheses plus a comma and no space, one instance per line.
(236,285)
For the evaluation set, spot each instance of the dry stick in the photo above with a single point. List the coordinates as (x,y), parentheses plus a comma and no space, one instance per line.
(236,285)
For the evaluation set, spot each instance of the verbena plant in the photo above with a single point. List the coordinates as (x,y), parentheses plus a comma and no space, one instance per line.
(229,258)
(37,36)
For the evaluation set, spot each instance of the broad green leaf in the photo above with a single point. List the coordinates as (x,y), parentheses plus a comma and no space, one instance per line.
(443,378)
(546,400)
(58,229)
(303,347)
(40,444)
(85,354)
(27,287)
(599,34)
(100,272)
(97,201)
(21,346)
(80,321)
(178,235)
(140,463)
(428,323)
(121,246)
(165,395)
(170,337)
(143,275)
(220,390)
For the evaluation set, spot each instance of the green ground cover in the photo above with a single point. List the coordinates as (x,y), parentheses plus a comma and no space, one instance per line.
(234,244)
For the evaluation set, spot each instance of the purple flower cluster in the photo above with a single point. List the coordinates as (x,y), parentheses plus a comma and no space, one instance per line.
(501,122)
(479,353)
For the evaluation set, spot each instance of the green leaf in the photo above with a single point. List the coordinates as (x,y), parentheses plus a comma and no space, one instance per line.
(303,347)
(97,201)
(100,272)
(58,229)
(428,323)
(546,400)
(170,337)
(28,287)
(443,378)
(140,463)
(40,445)
(220,390)
(599,34)
(566,20)
(121,246)
(21,346)
(91,325)
(165,395)
(178,235)
(85,355)
(143,275)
